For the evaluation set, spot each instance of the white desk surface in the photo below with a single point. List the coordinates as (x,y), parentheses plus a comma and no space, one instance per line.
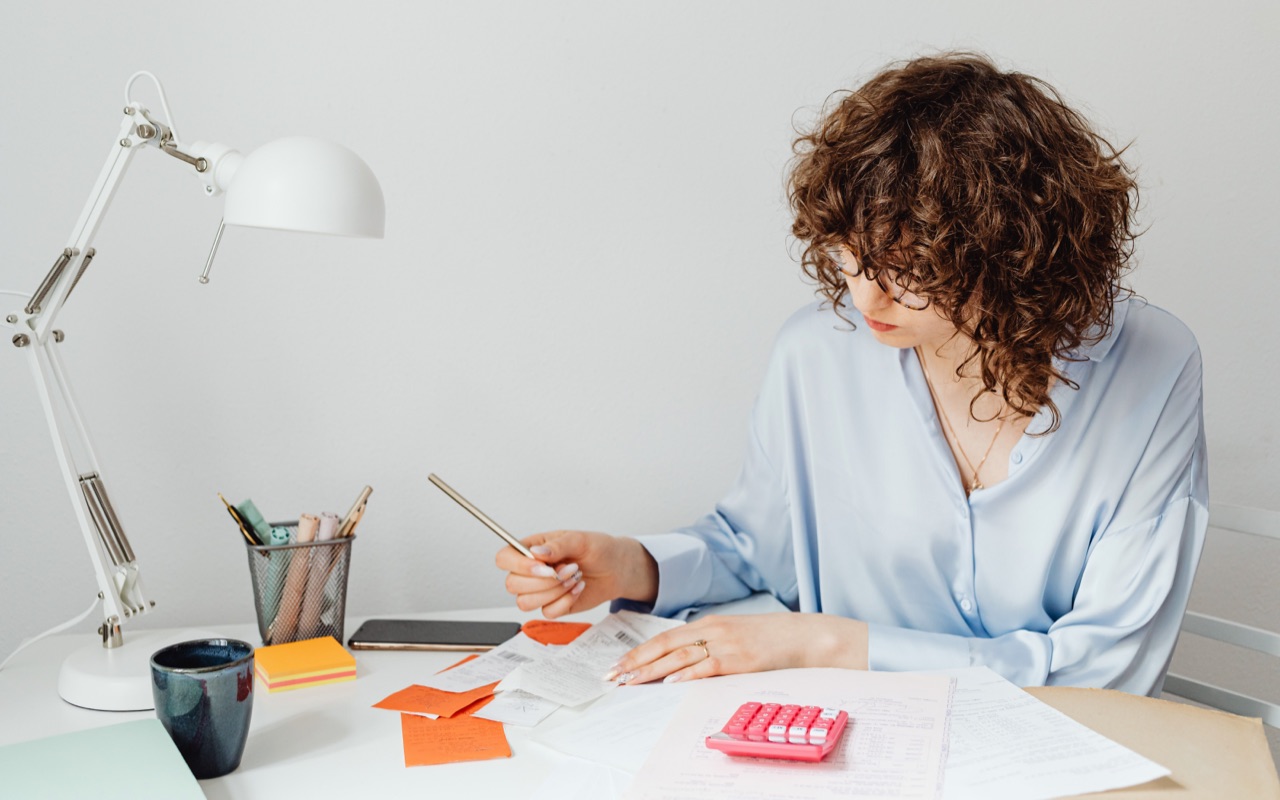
(328,741)
(324,739)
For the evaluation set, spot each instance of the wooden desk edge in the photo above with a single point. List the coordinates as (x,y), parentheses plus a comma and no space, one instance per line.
(1212,754)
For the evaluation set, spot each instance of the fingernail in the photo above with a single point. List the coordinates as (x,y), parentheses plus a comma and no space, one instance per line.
(567,571)
(672,678)
(626,676)
(540,550)
(543,571)
(574,578)
(577,590)
(611,674)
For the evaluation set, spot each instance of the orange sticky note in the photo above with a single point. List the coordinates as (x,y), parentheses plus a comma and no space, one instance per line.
(445,741)
(418,699)
(550,632)
(425,700)
(310,662)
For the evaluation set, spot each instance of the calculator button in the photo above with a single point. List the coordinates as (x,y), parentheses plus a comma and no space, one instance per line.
(777,733)
(796,734)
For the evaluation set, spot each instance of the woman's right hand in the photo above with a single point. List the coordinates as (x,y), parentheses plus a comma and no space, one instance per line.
(578,570)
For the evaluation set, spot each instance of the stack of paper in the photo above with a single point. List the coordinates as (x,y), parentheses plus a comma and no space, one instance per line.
(457,716)
(575,675)
(311,662)
(998,742)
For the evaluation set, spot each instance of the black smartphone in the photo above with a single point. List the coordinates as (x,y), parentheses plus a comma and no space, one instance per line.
(431,634)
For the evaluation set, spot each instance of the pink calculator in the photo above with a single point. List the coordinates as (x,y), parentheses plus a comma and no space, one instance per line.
(773,730)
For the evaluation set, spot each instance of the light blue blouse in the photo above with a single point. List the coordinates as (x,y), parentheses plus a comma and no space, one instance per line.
(1075,570)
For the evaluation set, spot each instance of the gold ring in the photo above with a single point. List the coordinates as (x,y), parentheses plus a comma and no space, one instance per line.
(703,644)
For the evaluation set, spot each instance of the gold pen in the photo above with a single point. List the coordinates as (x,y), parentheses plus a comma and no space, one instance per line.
(489,523)
(353,516)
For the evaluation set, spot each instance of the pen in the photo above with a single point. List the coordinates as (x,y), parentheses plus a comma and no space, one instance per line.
(249,536)
(480,515)
(353,516)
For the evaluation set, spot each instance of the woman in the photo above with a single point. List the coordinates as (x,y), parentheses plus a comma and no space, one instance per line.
(979,449)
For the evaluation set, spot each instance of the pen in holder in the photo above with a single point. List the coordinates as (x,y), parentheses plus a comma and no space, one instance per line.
(300,589)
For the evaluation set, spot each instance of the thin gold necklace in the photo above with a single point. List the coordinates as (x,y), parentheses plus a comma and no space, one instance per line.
(976,483)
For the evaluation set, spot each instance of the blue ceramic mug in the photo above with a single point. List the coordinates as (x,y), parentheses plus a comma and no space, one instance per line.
(204,697)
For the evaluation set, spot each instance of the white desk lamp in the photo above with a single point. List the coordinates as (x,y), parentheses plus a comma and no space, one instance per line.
(297,184)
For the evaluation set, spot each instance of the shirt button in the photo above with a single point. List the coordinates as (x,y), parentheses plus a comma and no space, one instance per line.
(1016,458)
(966,605)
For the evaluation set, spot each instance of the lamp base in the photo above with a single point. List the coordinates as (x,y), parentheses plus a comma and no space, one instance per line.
(118,678)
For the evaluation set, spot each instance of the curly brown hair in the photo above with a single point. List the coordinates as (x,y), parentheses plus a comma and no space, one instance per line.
(996,201)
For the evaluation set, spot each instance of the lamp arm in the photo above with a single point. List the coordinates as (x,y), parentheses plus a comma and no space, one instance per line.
(115,566)
(137,129)
(114,562)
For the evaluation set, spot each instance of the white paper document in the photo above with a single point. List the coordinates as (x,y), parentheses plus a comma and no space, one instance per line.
(1007,745)
(894,747)
(595,734)
(575,674)
(491,666)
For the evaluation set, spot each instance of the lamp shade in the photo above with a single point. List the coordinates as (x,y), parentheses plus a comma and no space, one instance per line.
(304,184)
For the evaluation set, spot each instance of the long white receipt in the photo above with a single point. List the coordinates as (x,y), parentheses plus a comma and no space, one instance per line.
(576,674)
(492,666)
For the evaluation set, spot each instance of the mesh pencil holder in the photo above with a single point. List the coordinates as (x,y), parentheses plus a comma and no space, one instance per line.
(300,590)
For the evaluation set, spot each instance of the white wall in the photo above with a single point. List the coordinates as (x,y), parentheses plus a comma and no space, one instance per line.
(585,261)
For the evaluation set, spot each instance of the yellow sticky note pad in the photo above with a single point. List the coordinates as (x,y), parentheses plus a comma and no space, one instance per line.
(311,662)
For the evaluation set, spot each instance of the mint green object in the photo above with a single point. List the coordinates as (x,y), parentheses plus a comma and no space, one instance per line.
(88,764)
(255,519)
(277,569)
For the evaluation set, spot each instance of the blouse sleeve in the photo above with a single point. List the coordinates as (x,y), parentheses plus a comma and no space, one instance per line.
(742,547)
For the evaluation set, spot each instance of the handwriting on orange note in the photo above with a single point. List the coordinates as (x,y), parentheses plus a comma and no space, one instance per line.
(445,741)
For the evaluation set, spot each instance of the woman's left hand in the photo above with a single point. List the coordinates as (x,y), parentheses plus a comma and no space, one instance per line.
(716,645)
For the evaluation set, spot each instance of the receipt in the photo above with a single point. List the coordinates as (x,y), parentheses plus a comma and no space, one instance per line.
(491,667)
(517,707)
(576,674)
